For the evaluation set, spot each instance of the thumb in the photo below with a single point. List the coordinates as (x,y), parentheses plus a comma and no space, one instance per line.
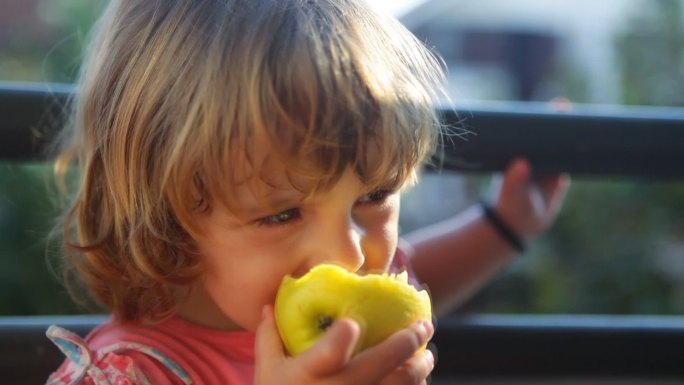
(334,350)
(268,347)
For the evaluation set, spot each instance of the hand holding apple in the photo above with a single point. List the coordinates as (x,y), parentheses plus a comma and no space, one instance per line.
(382,304)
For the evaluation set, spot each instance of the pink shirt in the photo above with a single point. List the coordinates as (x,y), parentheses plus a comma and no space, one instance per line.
(172,352)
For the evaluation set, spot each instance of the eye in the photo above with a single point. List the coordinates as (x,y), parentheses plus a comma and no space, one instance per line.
(374,197)
(281,218)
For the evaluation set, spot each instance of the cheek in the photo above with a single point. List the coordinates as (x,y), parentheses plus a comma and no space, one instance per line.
(242,271)
(390,226)
(241,297)
(240,278)
(390,237)
(382,237)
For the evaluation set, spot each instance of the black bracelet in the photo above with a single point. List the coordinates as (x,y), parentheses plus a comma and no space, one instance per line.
(506,233)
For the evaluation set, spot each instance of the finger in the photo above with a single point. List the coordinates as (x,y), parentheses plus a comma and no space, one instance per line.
(268,348)
(334,350)
(374,364)
(516,175)
(520,169)
(433,349)
(554,189)
(414,371)
(558,196)
(544,192)
(554,182)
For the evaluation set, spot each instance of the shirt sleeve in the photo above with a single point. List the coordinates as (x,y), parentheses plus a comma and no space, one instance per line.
(402,262)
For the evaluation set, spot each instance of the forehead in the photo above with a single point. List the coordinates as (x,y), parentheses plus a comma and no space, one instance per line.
(261,179)
(269,158)
(273,163)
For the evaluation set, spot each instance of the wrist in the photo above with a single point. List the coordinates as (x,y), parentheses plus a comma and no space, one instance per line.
(502,228)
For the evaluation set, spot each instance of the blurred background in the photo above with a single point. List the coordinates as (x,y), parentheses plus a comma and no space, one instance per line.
(618,245)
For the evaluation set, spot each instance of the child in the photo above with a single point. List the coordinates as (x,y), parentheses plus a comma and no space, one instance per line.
(224,144)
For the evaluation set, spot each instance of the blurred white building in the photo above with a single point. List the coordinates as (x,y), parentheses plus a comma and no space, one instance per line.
(526,49)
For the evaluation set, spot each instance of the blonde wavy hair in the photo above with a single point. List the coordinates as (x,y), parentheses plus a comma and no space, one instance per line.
(176,95)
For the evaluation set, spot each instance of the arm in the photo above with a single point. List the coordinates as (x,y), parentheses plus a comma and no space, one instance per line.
(456,257)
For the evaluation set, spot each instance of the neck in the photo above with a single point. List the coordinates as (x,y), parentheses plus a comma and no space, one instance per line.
(200,309)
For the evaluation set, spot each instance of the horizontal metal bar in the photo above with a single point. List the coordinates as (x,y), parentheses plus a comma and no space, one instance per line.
(480,346)
(586,140)
(560,346)
(30,116)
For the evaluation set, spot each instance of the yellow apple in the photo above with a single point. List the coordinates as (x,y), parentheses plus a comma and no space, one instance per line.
(381,303)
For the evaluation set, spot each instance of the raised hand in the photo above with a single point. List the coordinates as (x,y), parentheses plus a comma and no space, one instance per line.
(528,205)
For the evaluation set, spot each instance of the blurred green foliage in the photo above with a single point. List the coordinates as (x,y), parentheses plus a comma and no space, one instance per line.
(616,248)
(27,217)
(29,282)
(652,55)
(33,55)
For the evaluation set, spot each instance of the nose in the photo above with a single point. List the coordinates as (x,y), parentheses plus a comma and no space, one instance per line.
(340,243)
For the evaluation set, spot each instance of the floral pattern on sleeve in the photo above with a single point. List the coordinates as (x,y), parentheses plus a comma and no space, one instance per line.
(104,366)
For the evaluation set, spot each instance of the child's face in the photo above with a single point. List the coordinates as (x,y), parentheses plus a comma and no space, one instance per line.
(245,258)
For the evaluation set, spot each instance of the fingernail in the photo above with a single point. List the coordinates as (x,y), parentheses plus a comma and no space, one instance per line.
(429,327)
(429,358)
(425,329)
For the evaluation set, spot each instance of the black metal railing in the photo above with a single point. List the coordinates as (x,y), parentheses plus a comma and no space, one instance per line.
(590,141)
(602,141)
